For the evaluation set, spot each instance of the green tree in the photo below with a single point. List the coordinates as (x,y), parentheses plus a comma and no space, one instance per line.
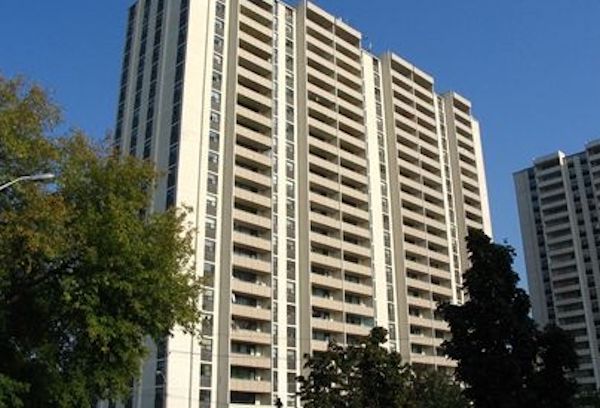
(379,378)
(493,337)
(360,376)
(503,359)
(556,357)
(326,382)
(587,399)
(436,389)
(85,275)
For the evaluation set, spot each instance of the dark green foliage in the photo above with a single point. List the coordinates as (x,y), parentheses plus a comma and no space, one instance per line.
(327,383)
(436,389)
(588,399)
(84,278)
(379,379)
(556,356)
(503,359)
(370,376)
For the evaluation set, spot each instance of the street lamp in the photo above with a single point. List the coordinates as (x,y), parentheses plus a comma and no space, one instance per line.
(33,177)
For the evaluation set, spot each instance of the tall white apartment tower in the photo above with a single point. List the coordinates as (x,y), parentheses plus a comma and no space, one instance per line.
(331,189)
(558,201)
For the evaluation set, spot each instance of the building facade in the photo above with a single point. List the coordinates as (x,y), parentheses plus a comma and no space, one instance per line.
(331,190)
(558,198)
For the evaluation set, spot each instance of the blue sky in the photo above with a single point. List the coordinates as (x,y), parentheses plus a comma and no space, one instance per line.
(530,67)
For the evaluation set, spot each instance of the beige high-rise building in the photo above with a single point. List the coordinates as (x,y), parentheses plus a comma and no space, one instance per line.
(558,200)
(331,189)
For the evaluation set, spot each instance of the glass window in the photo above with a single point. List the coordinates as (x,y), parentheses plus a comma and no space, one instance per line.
(213,181)
(208,301)
(210,225)
(219,25)
(213,161)
(211,205)
(213,140)
(209,274)
(215,100)
(209,250)
(215,118)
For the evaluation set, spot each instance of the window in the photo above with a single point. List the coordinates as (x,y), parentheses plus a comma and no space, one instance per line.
(205,375)
(220,10)
(216,80)
(210,225)
(219,45)
(219,25)
(209,250)
(215,118)
(211,205)
(215,100)
(208,301)
(213,161)
(213,140)
(212,181)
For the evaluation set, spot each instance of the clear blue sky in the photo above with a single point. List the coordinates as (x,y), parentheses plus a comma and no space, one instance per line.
(530,67)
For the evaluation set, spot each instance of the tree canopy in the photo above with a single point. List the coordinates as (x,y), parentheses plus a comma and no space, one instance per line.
(503,359)
(369,375)
(86,273)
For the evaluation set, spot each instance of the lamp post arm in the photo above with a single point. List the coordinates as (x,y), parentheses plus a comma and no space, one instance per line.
(10,183)
(33,177)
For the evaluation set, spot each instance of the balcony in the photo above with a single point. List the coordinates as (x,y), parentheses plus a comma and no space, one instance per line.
(358,288)
(324,220)
(324,201)
(355,212)
(254,220)
(358,330)
(359,309)
(256,179)
(358,250)
(251,264)
(253,138)
(265,16)
(254,81)
(319,127)
(252,386)
(326,303)
(249,288)
(357,269)
(326,281)
(253,157)
(251,336)
(254,63)
(256,99)
(327,325)
(250,312)
(256,118)
(325,240)
(356,230)
(325,260)
(246,360)
(250,241)
(252,198)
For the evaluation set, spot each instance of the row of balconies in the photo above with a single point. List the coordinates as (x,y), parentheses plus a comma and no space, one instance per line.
(259,14)
(420,92)
(363,287)
(327,38)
